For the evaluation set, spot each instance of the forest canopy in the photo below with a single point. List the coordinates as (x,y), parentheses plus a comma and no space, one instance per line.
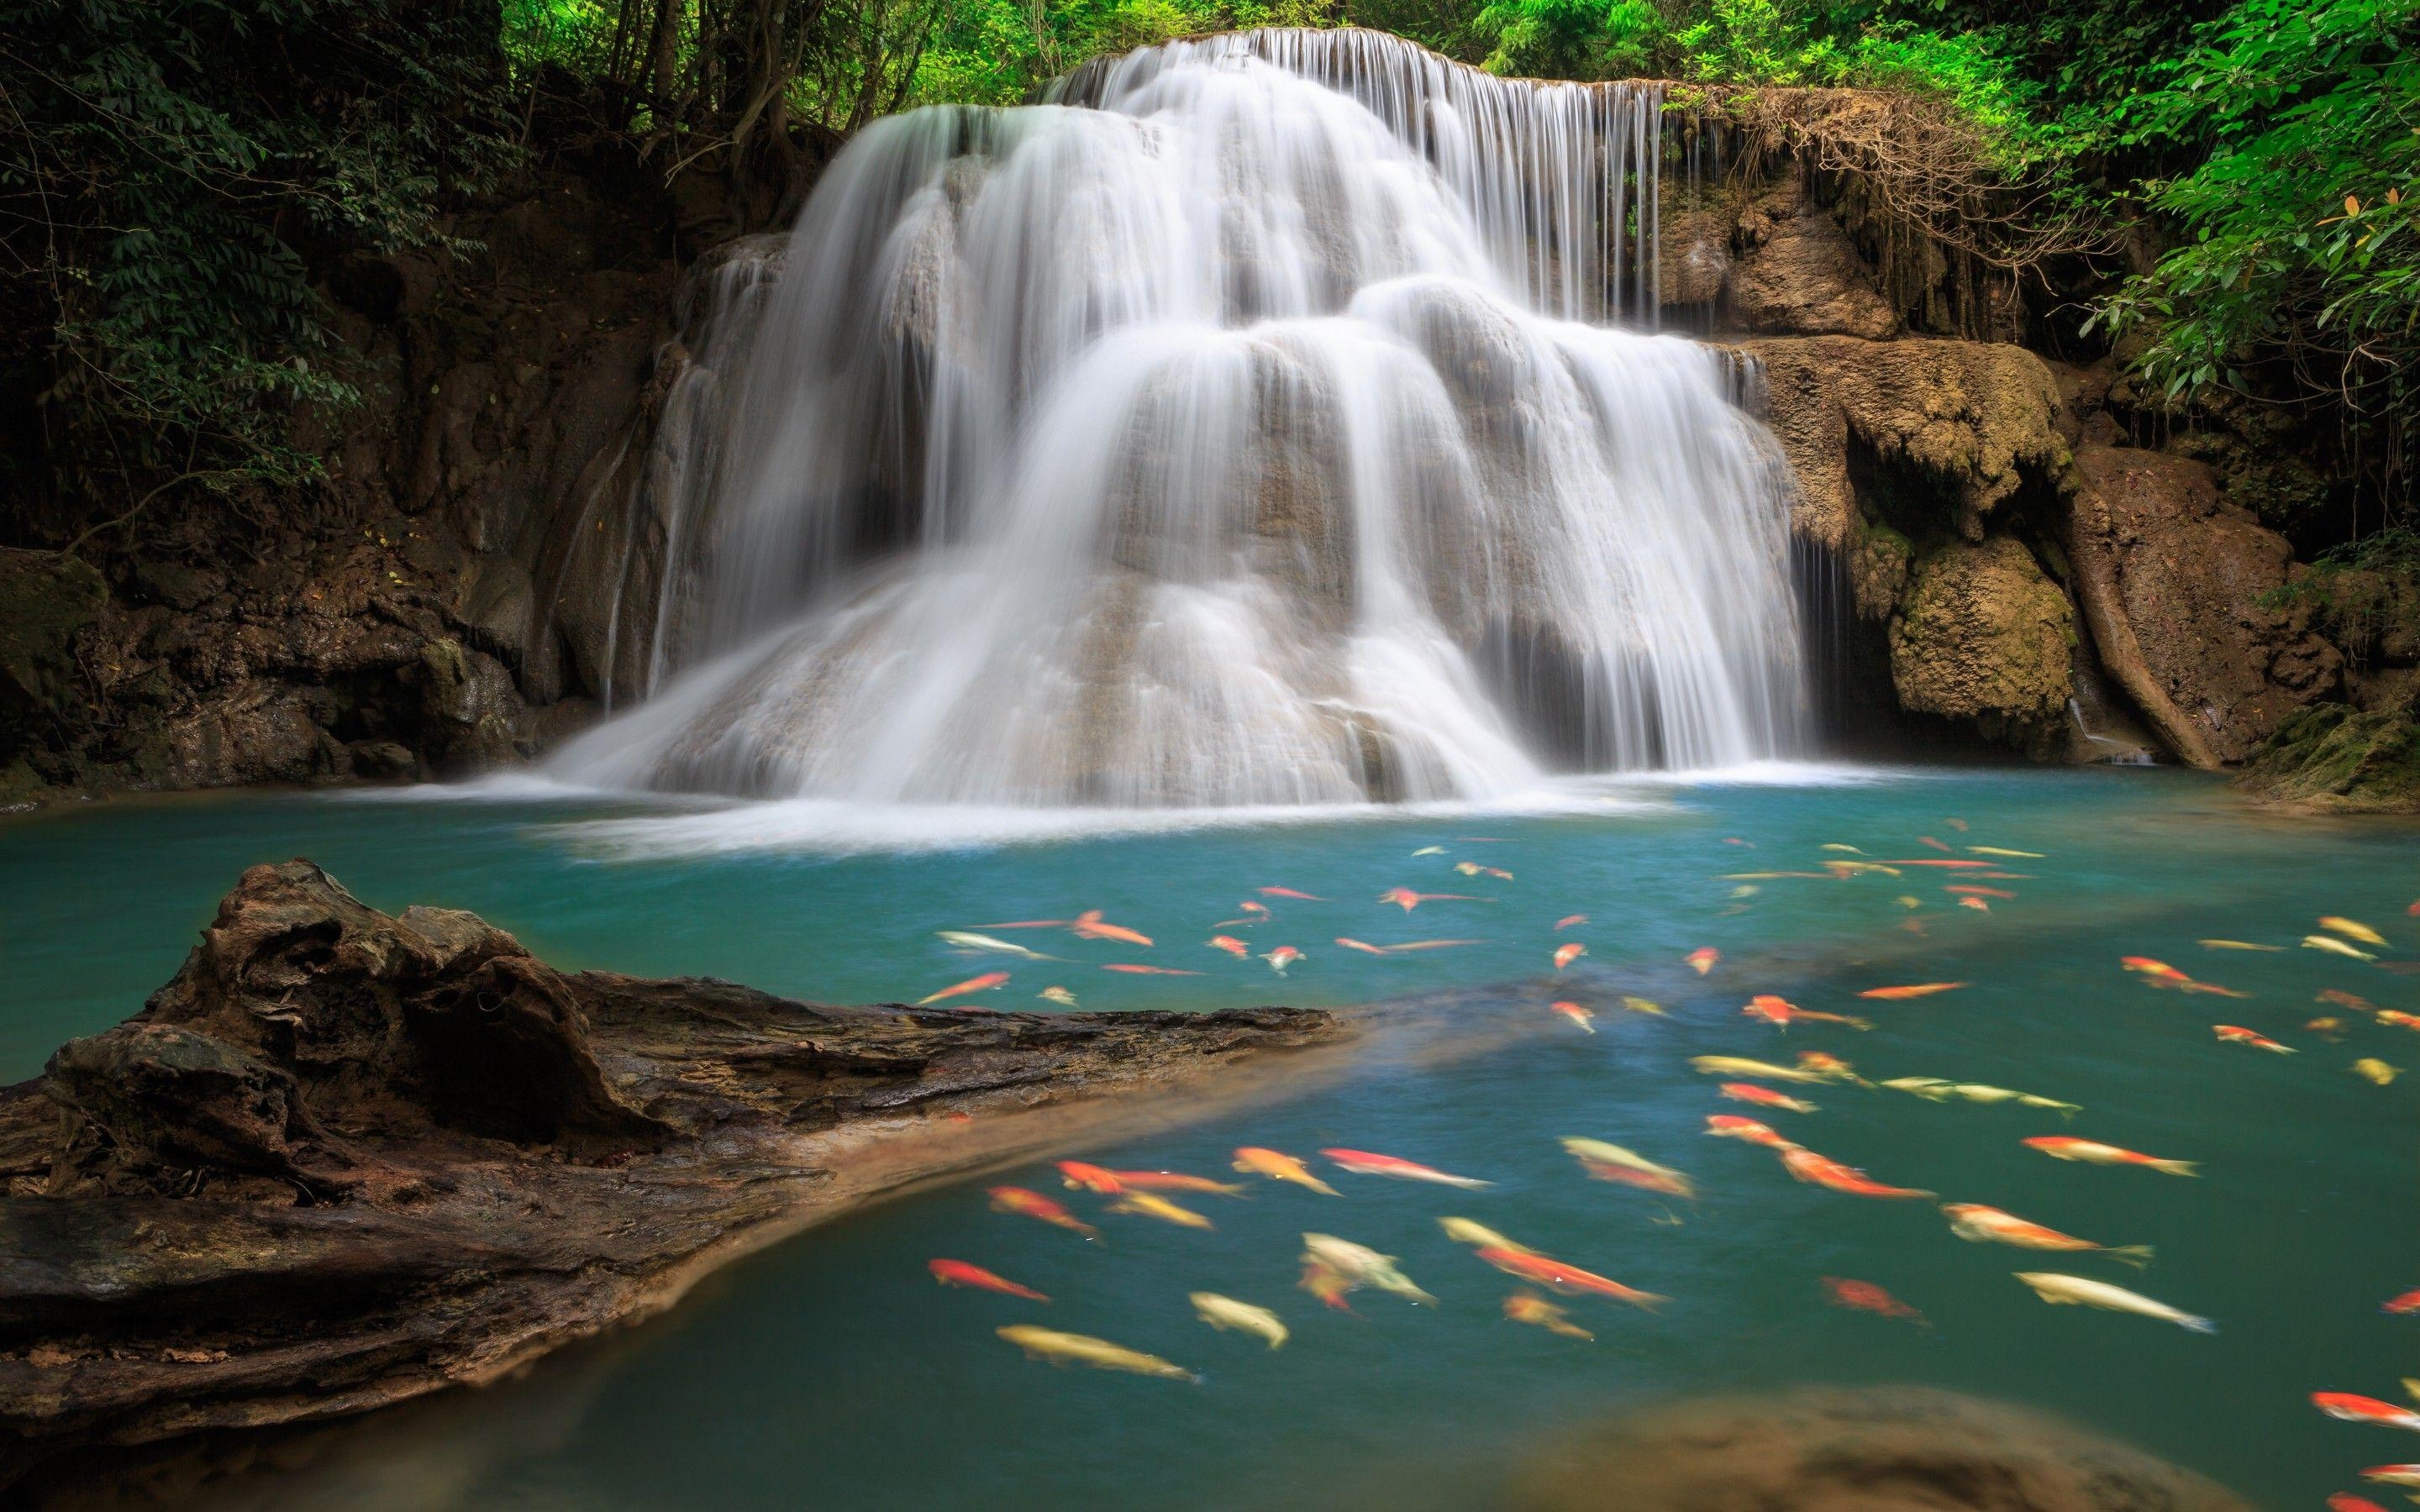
(171,171)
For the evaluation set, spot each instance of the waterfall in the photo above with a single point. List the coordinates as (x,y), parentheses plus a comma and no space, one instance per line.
(1252,422)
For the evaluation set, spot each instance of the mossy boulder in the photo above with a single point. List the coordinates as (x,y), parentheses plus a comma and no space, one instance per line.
(1982,635)
(45,600)
(2333,756)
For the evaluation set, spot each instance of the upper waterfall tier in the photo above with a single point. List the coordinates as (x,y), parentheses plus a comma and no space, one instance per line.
(1236,431)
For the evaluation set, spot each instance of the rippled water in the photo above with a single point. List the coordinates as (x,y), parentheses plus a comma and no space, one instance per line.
(832,1371)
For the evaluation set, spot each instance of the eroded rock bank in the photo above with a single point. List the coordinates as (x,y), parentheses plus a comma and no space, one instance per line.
(344,1159)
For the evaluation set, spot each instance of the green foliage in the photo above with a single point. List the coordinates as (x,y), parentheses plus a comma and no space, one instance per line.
(167,169)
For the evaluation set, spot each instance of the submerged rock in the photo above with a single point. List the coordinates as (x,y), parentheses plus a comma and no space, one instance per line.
(344,1158)
(1858,1449)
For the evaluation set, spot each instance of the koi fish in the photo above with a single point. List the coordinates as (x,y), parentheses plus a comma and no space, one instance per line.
(1577,1014)
(1025,1204)
(1229,944)
(1926,839)
(1783,1013)
(1831,1067)
(1357,945)
(1408,900)
(1174,1181)
(1282,957)
(1834,845)
(1429,945)
(1056,994)
(1472,868)
(1642,1005)
(2157,970)
(1075,1176)
(1527,1307)
(1976,903)
(1958,824)
(1732,1126)
(1226,1314)
(1428,850)
(1763,1071)
(2345,1000)
(1764,1097)
(1054,1348)
(1570,1280)
(1745,890)
(1824,1171)
(1973,891)
(1566,954)
(1568,921)
(1922,989)
(1611,1163)
(2347,1501)
(1734,840)
(2408,1303)
(967,940)
(1289,892)
(986,982)
(1867,1296)
(2066,1147)
(2075,1290)
(1704,959)
(1255,909)
(2013,855)
(959,1273)
(1147,971)
(2237,1034)
(2353,1409)
(2353,929)
(1479,1236)
(1980,1224)
(1329,1283)
(2235,945)
(1145,1205)
(1936,1090)
(1905,901)
(1362,1163)
(1843,871)
(2394,1018)
(1279,1166)
(2336,947)
(2327,1028)
(2407,1477)
(1088,926)
(1361,1266)
(2376,1071)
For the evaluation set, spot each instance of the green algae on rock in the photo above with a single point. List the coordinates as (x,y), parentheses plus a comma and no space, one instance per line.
(2336,758)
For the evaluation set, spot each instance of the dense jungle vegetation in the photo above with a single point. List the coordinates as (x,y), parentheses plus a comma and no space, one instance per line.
(2239,179)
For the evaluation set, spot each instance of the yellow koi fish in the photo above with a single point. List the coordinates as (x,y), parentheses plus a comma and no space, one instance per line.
(1054,1348)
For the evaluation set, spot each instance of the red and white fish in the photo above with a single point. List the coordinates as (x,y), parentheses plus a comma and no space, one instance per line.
(1732,1126)
(2353,1409)
(2394,1018)
(1282,957)
(1782,1012)
(1545,1270)
(2092,1153)
(1566,954)
(988,982)
(1408,900)
(1230,945)
(1026,1204)
(1976,903)
(1362,1163)
(1088,926)
(1765,1097)
(1079,1177)
(1824,1171)
(2237,1034)
(2407,1477)
(2408,1303)
(1980,1224)
(959,1273)
(1577,1014)
(1703,958)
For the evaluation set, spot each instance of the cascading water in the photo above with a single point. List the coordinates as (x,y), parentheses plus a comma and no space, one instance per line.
(1241,428)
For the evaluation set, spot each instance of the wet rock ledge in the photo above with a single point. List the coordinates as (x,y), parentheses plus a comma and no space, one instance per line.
(344,1159)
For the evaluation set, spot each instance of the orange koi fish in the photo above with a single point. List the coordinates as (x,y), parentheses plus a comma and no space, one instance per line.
(1980,1224)
(1088,926)
(2353,1409)
(1977,893)
(1926,839)
(1289,892)
(1282,957)
(2157,970)
(1704,959)
(1822,1171)
(1078,1177)
(986,982)
(1429,945)
(2408,1303)
(1329,1283)
(959,1273)
(1527,1307)
(1568,921)
(1566,954)
(1958,824)
(2407,1477)
(1867,1296)
(1784,1012)
(1612,1163)
(1568,1279)
(1026,1204)
(1734,840)
(1732,1126)
(1147,971)
(1408,900)
(1174,1181)
(1279,1167)
(1229,944)
(2394,1018)
(2067,1146)
(1577,1014)
(1922,989)
(1361,945)
(1833,1065)
(2345,1000)
(2237,1034)
(1362,1163)
(2347,1501)
(1976,903)
(1765,1097)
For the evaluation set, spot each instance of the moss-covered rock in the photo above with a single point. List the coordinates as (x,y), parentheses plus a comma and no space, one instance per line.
(2335,757)
(1983,634)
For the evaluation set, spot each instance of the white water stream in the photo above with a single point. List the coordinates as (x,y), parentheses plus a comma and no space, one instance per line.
(1254,425)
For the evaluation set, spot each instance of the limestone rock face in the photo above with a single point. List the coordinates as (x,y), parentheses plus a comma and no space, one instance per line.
(1977,417)
(2171,576)
(1799,275)
(2334,758)
(1981,634)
